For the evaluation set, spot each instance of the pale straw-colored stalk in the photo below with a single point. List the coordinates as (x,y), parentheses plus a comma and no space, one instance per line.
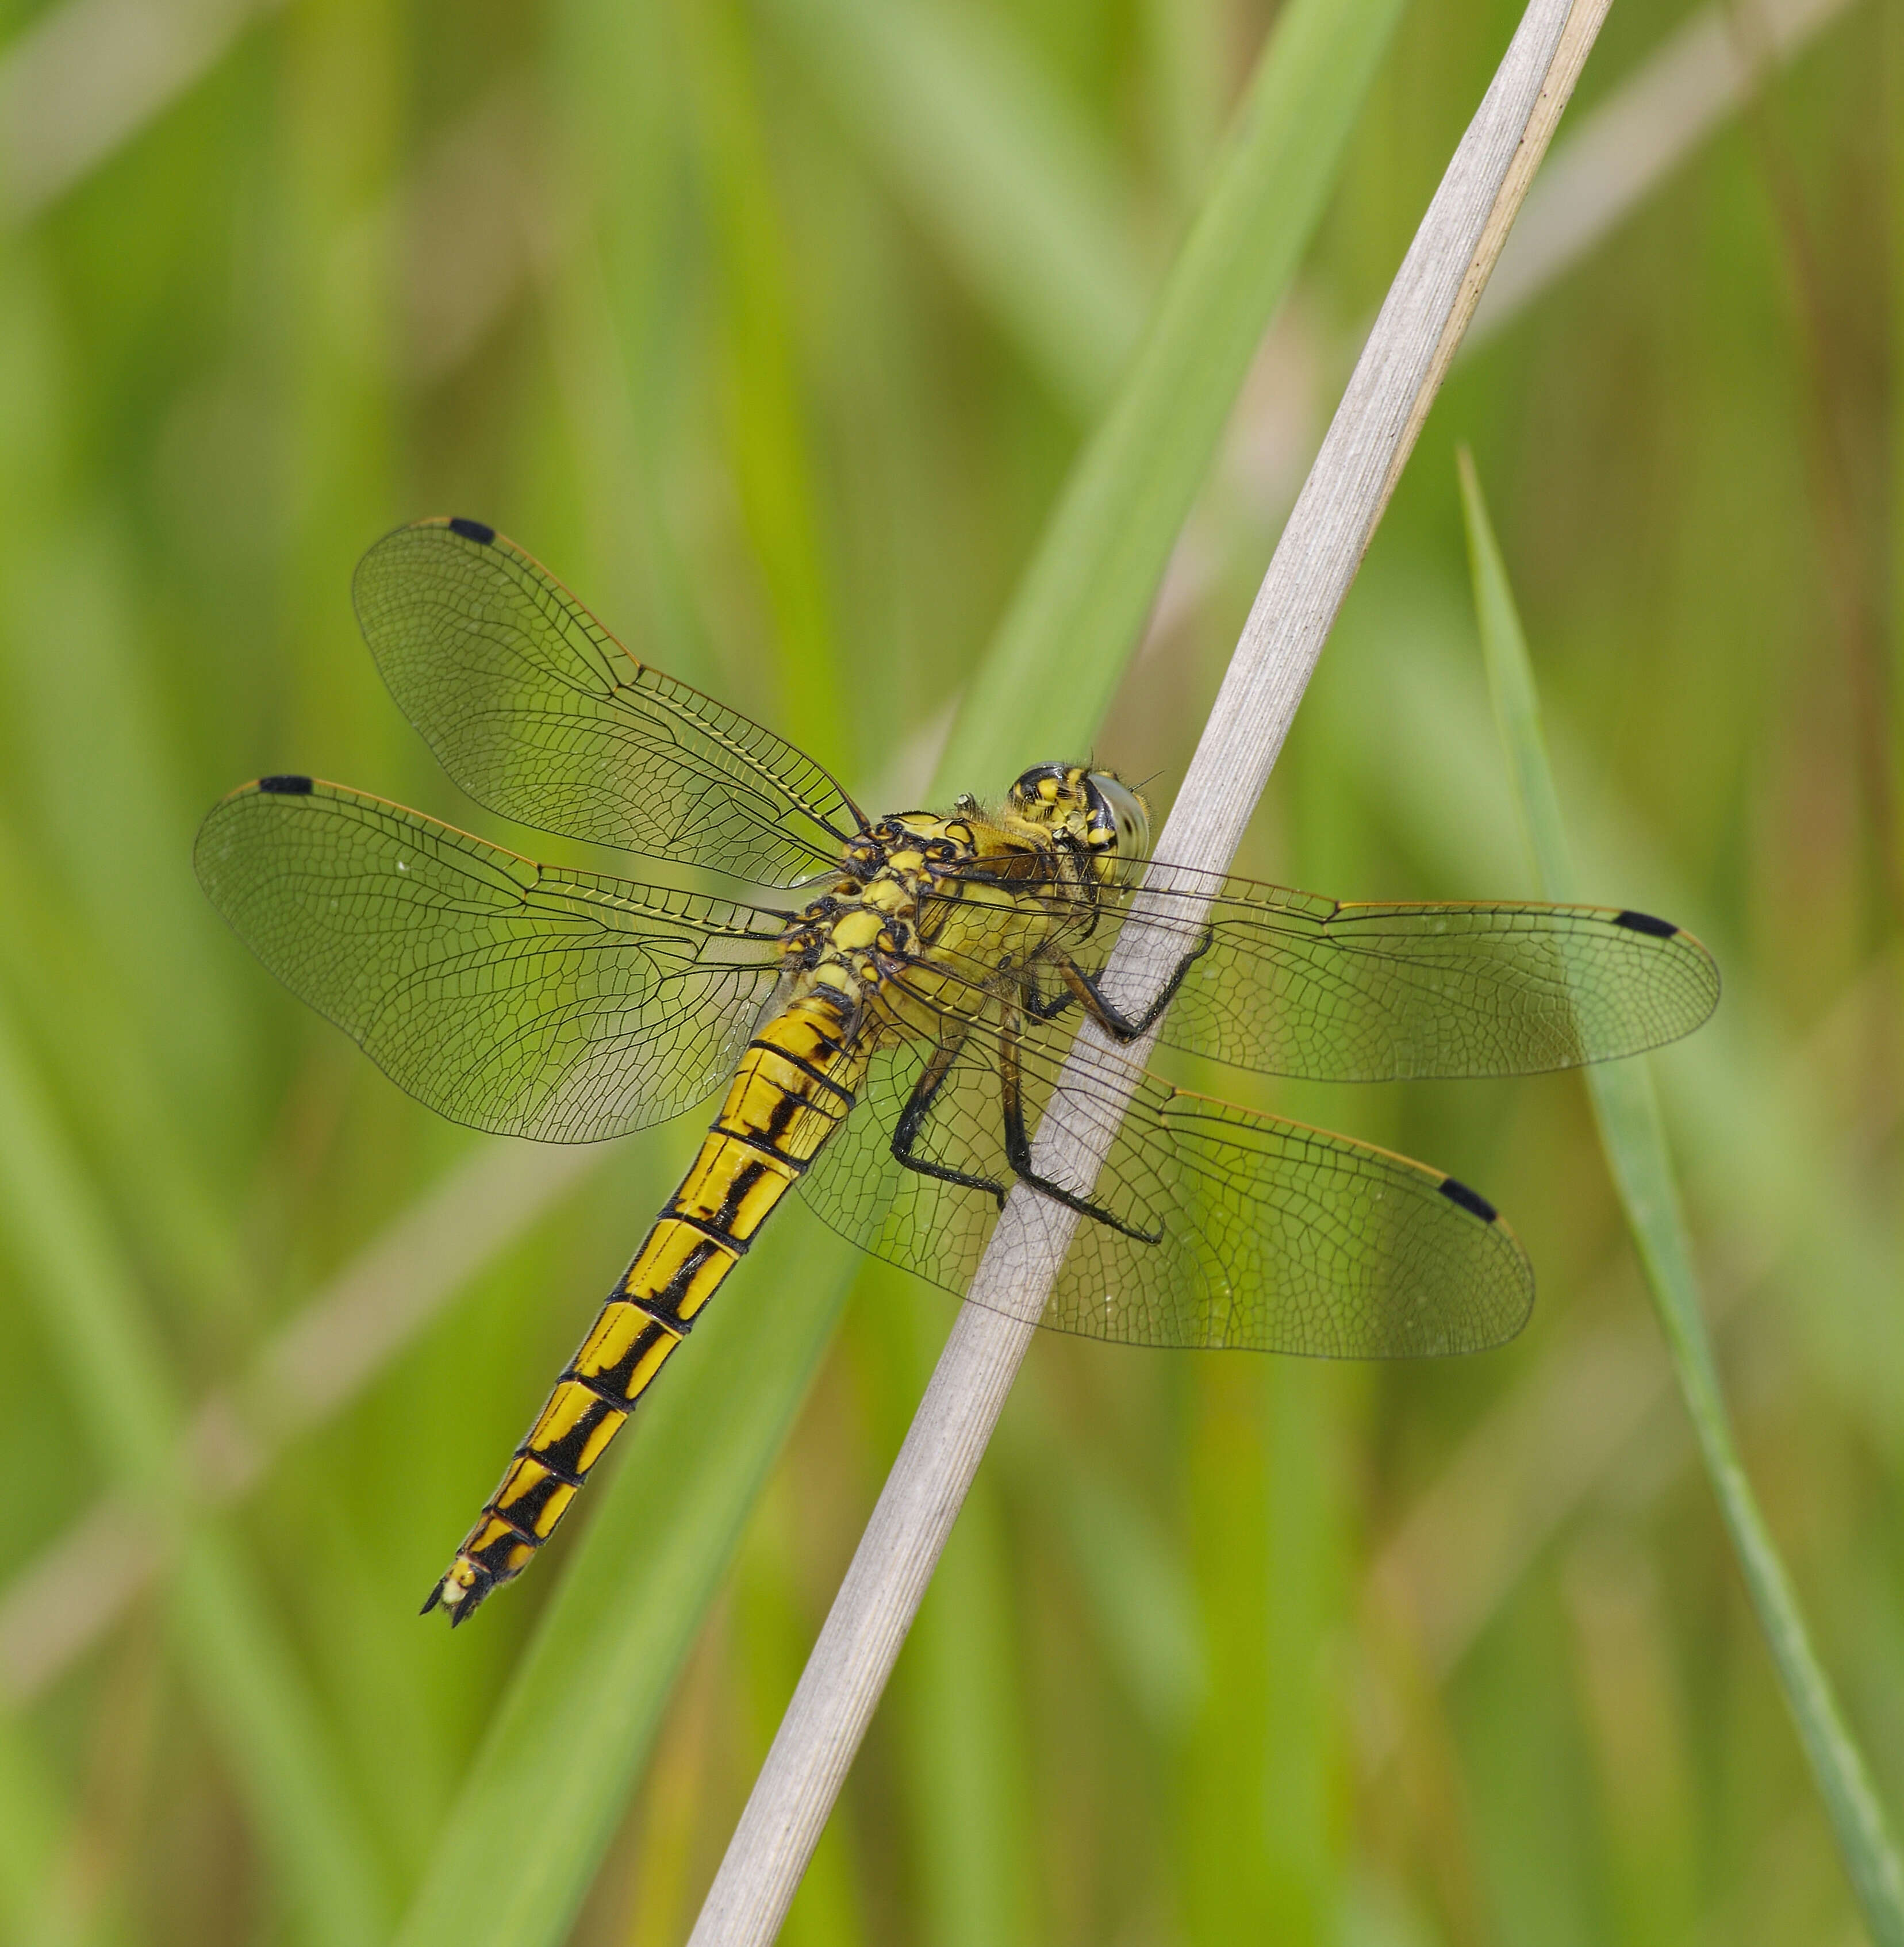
(1368,442)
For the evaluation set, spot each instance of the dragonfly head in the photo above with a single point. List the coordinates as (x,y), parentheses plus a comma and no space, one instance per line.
(1102,815)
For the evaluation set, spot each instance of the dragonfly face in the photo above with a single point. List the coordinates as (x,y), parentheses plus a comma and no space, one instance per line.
(892,1047)
(1093,811)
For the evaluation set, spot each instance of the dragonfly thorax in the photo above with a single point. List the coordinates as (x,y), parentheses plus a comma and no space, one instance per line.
(929,907)
(867,923)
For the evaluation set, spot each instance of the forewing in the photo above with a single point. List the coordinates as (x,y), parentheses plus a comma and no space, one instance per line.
(538,712)
(1218,1227)
(1295,985)
(503,993)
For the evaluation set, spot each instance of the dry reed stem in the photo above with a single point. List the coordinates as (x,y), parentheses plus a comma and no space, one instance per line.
(1394,384)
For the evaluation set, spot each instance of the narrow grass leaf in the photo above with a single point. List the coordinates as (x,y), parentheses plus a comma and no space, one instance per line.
(770,449)
(1017,191)
(1060,650)
(1634,1139)
(34,1815)
(1142,1602)
(974,1819)
(1751,1108)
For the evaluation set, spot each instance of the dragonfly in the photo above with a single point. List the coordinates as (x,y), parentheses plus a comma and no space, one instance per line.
(889,1012)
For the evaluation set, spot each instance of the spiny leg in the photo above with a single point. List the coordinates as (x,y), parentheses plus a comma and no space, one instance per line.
(1085,989)
(912,1119)
(1037,1007)
(1018,1144)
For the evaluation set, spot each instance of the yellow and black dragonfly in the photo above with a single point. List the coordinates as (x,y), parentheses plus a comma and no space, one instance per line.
(890,1037)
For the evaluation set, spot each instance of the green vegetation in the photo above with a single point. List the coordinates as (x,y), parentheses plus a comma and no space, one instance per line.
(820,344)
(1638,1157)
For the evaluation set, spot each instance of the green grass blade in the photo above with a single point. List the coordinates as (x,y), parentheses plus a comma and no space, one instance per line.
(1634,1139)
(1013,188)
(246,1676)
(1745,1097)
(770,1633)
(974,1821)
(34,1814)
(768,440)
(1060,650)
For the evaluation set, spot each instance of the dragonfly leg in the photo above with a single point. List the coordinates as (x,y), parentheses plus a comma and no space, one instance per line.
(1018,1144)
(1125,1027)
(1041,1009)
(912,1119)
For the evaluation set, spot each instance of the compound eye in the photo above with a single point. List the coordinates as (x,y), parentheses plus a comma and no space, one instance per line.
(1127,815)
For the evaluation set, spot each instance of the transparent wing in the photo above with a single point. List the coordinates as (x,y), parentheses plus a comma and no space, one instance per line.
(538,712)
(1294,984)
(501,993)
(1219,1227)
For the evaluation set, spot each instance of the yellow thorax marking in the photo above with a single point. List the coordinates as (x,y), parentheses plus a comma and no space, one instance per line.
(855,930)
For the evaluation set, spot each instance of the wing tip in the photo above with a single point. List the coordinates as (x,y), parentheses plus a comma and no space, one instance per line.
(1458,1192)
(1646,923)
(465,527)
(1649,926)
(278,783)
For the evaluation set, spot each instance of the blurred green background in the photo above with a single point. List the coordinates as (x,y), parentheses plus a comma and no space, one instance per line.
(773,325)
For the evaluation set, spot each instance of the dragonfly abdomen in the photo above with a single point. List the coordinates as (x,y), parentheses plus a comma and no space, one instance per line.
(792,1088)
